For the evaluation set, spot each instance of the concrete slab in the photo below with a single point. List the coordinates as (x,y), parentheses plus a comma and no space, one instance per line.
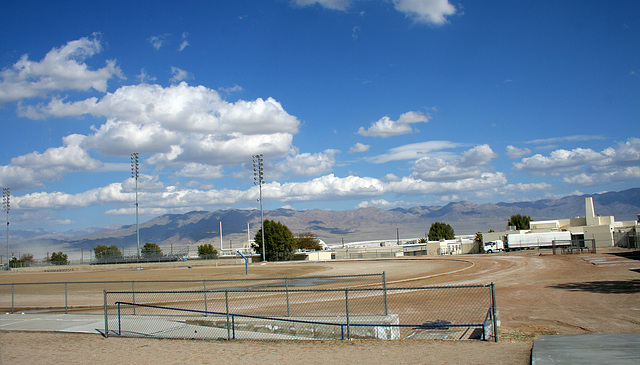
(139,326)
(610,349)
(83,323)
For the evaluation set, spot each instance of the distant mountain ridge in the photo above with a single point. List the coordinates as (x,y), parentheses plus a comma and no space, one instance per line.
(351,225)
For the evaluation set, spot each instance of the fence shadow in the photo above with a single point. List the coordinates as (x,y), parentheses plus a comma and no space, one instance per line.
(603,287)
(632,255)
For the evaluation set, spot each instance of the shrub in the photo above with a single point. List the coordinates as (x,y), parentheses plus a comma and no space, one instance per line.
(59,258)
(206,251)
(150,250)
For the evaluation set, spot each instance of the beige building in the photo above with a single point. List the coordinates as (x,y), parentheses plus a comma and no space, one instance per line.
(583,229)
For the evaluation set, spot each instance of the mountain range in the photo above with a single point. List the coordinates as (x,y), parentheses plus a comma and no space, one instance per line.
(332,227)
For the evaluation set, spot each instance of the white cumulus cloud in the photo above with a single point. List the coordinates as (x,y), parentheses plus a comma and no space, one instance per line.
(479,155)
(433,12)
(385,127)
(485,181)
(451,167)
(329,4)
(193,119)
(61,69)
(515,152)
(359,147)
(201,171)
(307,164)
(414,151)
(585,166)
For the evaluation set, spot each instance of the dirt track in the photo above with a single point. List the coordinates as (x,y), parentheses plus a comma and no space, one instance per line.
(536,294)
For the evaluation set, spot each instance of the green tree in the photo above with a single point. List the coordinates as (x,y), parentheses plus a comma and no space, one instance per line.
(150,250)
(519,221)
(307,241)
(422,240)
(104,252)
(440,231)
(59,258)
(279,241)
(206,251)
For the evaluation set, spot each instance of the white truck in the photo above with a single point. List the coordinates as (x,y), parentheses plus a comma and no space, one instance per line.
(493,246)
(520,241)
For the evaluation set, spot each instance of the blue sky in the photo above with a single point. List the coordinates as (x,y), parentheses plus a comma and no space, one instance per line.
(353,103)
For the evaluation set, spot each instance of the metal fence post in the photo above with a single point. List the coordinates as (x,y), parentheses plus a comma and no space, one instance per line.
(386,302)
(65,298)
(133,296)
(346,300)
(119,320)
(204,285)
(12,296)
(494,311)
(286,285)
(106,320)
(226,300)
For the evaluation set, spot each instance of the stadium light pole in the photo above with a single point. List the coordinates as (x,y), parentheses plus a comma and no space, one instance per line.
(258,179)
(135,167)
(6,197)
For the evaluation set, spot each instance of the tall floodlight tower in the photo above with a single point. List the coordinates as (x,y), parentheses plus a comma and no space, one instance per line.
(6,196)
(134,174)
(258,179)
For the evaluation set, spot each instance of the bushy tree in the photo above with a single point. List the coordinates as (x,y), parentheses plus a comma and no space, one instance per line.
(102,251)
(59,258)
(150,250)
(307,241)
(279,241)
(206,251)
(440,231)
(519,221)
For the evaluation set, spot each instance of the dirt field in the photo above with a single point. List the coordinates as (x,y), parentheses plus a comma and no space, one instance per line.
(536,294)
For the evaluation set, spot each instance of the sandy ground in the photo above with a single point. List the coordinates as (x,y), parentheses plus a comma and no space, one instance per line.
(536,294)
(55,348)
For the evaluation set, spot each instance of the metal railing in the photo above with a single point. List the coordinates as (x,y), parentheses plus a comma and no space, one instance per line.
(465,312)
(574,245)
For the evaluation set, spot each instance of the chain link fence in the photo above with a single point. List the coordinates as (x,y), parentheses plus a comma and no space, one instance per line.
(627,238)
(167,253)
(87,296)
(573,246)
(444,312)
